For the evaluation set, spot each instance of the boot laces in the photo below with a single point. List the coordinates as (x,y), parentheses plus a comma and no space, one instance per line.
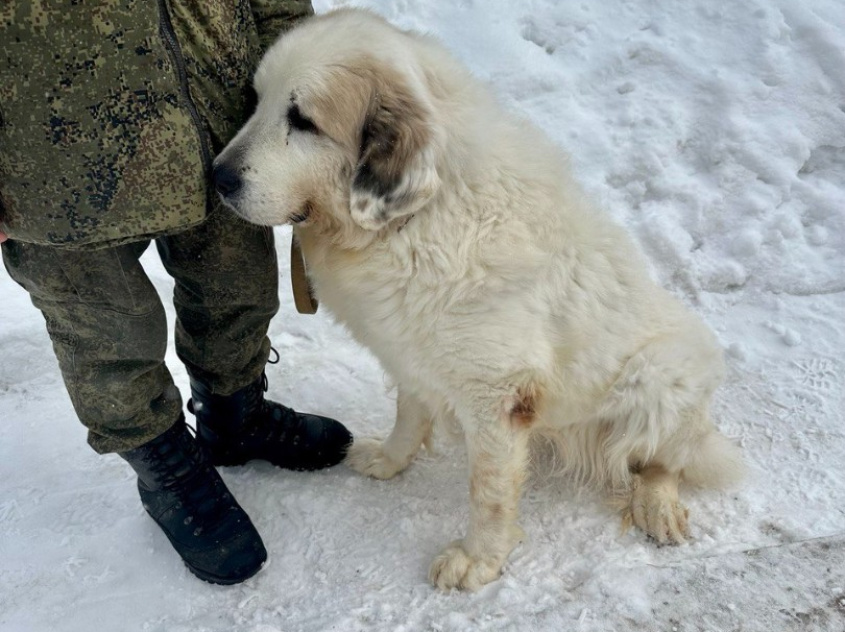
(271,419)
(182,467)
(264,382)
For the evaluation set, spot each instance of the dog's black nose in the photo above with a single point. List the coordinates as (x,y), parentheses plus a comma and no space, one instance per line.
(226,180)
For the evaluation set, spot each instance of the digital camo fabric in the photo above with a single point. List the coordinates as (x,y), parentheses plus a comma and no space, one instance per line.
(111,111)
(109,331)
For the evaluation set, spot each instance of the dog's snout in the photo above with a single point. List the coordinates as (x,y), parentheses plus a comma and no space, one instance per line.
(227,182)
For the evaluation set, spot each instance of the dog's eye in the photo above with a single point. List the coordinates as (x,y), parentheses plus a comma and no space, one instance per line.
(297,121)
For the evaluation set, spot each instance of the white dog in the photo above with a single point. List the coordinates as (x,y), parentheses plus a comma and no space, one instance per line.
(451,240)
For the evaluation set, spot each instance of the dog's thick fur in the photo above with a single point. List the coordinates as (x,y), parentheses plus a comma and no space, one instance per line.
(451,240)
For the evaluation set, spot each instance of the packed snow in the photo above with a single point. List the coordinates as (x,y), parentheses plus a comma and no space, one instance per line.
(715,132)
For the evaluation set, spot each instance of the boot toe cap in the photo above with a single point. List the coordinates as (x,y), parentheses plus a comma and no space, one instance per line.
(232,562)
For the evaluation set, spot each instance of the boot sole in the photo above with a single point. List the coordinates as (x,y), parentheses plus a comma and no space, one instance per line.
(230,462)
(230,459)
(212,579)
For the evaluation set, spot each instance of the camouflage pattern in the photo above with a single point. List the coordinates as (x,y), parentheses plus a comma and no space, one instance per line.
(111,111)
(109,330)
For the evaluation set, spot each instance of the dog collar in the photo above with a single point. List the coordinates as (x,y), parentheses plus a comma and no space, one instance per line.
(303,294)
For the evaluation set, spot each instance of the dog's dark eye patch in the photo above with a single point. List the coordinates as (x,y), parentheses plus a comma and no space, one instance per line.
(299,122)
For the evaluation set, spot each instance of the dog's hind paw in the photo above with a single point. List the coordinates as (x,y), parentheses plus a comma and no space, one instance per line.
(367,456)
(655,509)
(454,568)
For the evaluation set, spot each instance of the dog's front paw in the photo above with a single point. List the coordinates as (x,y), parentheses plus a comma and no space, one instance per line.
(367,456)
(657,513)
(454,568)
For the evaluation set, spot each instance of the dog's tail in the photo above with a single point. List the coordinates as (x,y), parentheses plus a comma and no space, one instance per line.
(716,462)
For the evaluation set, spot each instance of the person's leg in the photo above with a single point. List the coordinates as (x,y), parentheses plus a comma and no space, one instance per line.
(226,293)
(109,333)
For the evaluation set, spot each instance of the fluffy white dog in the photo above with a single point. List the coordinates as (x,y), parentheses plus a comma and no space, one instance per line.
(448,236)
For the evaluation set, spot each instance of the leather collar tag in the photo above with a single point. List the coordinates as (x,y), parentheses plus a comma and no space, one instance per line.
(303,296)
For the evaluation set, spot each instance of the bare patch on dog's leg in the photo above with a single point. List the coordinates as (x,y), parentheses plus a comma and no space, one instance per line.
(523,411)
(654,506)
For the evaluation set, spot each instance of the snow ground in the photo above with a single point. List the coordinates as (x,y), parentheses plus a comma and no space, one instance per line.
(715,132)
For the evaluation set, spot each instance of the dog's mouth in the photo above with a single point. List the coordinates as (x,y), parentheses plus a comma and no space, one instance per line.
(303,215)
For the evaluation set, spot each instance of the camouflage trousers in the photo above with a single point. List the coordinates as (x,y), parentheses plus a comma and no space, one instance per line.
(109,331)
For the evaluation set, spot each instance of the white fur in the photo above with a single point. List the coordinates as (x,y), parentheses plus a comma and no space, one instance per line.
(500,297)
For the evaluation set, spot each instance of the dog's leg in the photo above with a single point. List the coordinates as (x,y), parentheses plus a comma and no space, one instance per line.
(384,459)
(498,455)
(654,506)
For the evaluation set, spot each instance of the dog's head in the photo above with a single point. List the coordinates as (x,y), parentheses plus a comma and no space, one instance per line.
(343,131)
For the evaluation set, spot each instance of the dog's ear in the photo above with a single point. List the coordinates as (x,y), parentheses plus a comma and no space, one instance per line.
(396,172)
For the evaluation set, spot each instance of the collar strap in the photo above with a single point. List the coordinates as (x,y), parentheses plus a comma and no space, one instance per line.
(303,295)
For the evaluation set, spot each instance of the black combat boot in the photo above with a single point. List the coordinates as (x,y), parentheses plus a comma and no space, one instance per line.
(185,495)
(243,426)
